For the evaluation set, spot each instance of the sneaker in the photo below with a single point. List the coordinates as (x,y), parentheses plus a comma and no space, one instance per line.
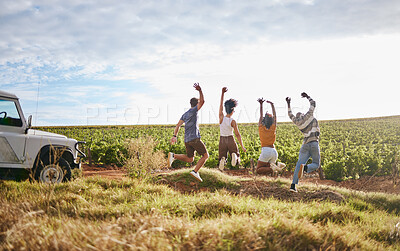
(234,159)
(278,167)
(222,164)
(170,159)
(293,188)
(274,167)
(301,171)
(196,175)
(281,165)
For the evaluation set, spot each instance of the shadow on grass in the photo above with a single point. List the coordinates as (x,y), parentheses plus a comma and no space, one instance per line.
(16,174)
(259,187)
(370,201)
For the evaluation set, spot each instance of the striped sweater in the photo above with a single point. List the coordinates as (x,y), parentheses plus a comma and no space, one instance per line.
(307,124)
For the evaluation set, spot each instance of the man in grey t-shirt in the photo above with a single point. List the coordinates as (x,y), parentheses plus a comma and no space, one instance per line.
(192,136)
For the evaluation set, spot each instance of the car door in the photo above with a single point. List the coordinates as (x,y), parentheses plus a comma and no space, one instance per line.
(12,133)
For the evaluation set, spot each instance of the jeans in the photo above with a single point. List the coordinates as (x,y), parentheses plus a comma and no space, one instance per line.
(307,151)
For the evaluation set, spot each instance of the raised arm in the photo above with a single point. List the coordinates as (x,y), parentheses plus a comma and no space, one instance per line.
(312,103)
(291,116)
(273,110)
(221,106)
(261,101)
(176,131)
(201,99)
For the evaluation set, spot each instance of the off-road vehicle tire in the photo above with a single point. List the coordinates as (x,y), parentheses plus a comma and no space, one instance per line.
(53,172)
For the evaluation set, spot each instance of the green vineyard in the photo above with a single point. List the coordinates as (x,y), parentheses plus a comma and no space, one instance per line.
(349,148)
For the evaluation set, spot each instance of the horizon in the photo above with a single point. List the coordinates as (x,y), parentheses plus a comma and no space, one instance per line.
(172,125)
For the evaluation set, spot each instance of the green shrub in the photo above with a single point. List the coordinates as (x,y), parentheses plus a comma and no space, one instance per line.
(335,171)
(108,152)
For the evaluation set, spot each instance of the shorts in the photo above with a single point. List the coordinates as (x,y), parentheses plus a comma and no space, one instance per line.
(268,154)
(227,144)
(195,145)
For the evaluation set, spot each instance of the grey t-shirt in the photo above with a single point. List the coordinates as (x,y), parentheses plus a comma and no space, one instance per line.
(191,124)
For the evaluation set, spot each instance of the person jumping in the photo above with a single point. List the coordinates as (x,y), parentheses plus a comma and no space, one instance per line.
(228,126)
(308,125)
(192,136)
(267,133)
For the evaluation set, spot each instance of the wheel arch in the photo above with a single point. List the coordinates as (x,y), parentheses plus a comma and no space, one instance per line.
(48,152)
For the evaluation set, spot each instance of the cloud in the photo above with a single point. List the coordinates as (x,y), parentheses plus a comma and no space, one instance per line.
(86,49)
(75,38)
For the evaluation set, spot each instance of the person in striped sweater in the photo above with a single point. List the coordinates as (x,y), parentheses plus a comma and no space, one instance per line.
(308,125)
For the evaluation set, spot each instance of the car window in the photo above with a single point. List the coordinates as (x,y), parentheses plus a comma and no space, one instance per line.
(9,115)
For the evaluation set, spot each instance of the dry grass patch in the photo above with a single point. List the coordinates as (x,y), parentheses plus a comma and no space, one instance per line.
(142,158)
(133,214)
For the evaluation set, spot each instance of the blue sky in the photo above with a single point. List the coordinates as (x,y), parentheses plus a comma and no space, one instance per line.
(134,62)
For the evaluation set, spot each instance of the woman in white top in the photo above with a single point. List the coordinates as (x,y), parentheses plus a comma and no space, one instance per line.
(228,126)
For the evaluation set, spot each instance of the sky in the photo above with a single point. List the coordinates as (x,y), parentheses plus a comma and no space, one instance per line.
(97,62)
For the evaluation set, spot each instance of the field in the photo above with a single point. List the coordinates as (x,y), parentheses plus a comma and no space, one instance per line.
(349,148)
(159,209)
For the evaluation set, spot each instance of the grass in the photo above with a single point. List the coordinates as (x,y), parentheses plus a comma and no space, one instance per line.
(103,214)
(212,179)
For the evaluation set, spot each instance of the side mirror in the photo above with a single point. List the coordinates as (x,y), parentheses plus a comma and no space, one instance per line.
(29,124)
(30,121)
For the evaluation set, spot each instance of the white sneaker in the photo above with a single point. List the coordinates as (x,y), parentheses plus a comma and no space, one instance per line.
(196,175)
(170,159)
(274,167)
(278,167)
(222,164)
(234,159)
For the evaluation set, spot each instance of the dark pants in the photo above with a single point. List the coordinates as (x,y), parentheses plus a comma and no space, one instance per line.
(227,144)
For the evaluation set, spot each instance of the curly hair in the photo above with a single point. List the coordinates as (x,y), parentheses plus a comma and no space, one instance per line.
(229,105)
(194,102)
(268,120)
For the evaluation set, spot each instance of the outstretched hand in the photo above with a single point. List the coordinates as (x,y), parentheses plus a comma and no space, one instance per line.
(304,95)
(269,102)
(197,86)
(288,99)
(260,100)
(224,89)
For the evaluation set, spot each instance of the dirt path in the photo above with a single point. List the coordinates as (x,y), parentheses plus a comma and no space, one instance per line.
(105,172)
(367,184)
